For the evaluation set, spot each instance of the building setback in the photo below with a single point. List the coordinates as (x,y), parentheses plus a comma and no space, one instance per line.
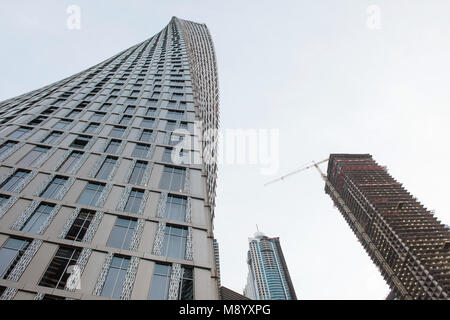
(92,203)
(268,276)
(407,243)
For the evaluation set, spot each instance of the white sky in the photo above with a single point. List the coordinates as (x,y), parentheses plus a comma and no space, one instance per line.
(311,69)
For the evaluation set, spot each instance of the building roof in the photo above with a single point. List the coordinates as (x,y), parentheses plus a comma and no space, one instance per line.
(228,294)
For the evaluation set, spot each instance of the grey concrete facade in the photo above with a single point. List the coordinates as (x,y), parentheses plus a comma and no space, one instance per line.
(74,148)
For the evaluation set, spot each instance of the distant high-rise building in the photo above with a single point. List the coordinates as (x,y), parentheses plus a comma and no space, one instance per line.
(407,243)
(93,200)
(228,294)
(268,276)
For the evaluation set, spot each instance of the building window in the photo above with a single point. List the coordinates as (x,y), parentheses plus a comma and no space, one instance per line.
(170,126)
(3,199)
(113,146)
(97,116)
(31,158)
(173,179)
(58,102)
(80,142)
(57,274)
(115,278)
(117,132)
(151,112)
(62,124)
(73,158)
(174,243)
(176,138)
(72,114)
(167,155)
(138,172)
(159,289)
(146,135)
(7,146)
(37,219)
(91,128)
(131,101)
(112,99)
(151,102)
(51,297)
(13,181)
(130,110)
(147,123)
(177,96)
(36,121)
(83,104)
(54,187)
(106,168)
(175,208)
(125,120)
(50,110)
(141,150)
(52,137)
(91,194)
(175,114)
(80,225)
(122,233)
(105,106)
(172,104)
(7,119)
(186,289)
(10,253)
(134,201)
(184,125)
(19,132)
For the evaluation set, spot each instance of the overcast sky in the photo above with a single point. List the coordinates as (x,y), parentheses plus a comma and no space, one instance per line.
(316,71)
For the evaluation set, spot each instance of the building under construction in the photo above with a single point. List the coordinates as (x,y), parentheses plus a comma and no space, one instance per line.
(408,244)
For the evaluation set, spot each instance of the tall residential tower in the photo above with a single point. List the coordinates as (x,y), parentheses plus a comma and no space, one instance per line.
(407,243)
(94,202)
(268,276)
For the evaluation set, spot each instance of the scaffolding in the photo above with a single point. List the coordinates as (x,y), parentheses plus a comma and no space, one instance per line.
(405,241)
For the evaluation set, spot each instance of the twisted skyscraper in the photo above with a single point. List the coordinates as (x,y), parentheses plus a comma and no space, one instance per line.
(94,202)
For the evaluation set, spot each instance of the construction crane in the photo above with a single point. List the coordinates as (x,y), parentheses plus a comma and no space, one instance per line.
(314,164)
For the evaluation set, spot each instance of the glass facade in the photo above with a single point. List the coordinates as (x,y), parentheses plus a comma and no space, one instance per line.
(38,218)
(10,253)
(268,277)
(82,177)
